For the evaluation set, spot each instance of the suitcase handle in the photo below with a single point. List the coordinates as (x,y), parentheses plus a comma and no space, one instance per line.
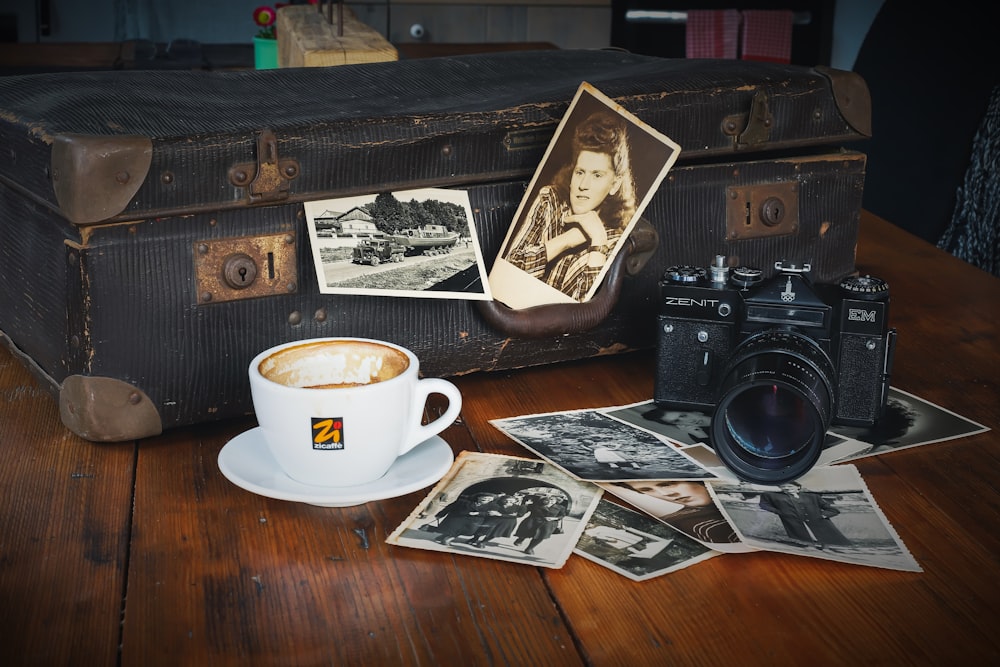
(569,318)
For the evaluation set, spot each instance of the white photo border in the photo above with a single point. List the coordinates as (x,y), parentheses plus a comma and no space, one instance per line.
(476,269)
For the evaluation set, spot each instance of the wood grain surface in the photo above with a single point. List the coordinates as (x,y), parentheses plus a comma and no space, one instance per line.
(144,554)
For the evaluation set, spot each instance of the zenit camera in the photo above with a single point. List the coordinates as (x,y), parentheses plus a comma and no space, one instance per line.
(774,361)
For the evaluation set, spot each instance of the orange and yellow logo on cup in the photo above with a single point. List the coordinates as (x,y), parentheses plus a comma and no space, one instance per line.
(328,433)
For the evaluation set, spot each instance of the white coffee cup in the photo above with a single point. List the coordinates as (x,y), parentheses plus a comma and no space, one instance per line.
(339,411)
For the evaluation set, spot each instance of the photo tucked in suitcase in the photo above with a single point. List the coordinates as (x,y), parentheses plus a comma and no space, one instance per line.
(129,200)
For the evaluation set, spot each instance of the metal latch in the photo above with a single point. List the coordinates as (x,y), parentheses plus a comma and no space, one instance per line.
(755,127)
(267,179)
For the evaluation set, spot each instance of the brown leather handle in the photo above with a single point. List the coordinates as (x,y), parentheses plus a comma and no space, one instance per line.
(567,318)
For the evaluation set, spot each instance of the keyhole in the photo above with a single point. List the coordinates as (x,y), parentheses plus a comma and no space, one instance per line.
(772,211)
(239,270)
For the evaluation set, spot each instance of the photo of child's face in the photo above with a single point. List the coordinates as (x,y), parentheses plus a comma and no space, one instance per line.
(688,494)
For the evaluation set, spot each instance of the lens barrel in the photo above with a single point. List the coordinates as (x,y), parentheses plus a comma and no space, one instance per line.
(775,405)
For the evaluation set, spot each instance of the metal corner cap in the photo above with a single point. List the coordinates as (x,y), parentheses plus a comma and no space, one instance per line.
(854,100)
(94,177)
(102,409)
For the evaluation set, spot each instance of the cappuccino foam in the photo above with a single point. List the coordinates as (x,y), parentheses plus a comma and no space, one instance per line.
(334,364)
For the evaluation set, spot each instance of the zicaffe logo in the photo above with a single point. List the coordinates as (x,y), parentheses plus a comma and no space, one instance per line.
(328,432)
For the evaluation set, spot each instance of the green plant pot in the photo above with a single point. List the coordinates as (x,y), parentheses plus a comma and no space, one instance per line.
(265,53)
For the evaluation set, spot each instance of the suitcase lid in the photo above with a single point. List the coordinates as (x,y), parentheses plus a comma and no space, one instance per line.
(125,145)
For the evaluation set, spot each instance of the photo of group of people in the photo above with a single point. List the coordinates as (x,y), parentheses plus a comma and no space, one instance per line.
(502,507)
(487,518)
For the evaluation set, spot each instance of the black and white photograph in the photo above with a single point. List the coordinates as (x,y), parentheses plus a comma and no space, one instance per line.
(685,506)
(416,243)
(827,513)
(635,545)
(594,447)
(599,172)
(686,427)
(690,428)
(908,421)
(502,507)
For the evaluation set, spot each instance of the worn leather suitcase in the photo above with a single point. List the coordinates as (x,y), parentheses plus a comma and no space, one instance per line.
(122,193)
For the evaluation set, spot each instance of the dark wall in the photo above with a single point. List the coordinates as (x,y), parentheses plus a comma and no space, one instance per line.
(930,74)
(811,42)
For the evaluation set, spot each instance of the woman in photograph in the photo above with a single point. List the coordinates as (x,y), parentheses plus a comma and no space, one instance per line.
(464,517)
(575,222)
(544,519)
(498,524)
(698,516)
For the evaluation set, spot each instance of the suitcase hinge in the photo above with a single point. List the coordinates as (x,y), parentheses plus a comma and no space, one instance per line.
(755,127)
(267,180)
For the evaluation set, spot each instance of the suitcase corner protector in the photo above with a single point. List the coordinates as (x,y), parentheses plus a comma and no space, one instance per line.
(95,177)
(103,409)
(852,96)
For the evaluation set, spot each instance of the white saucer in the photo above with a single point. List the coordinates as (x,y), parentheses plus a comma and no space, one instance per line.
(247,462)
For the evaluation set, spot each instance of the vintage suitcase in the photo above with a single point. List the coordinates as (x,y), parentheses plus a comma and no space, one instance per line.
(123,193)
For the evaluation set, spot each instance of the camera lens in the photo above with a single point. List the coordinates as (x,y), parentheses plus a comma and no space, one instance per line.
(770,423)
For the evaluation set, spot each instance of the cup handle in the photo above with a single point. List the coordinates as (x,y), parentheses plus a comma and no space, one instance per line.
(424,389)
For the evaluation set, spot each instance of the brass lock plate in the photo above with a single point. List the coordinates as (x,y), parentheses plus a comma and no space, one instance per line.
(757,211)
(245,268)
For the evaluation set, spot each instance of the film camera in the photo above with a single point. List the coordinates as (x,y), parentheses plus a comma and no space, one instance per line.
(774,361)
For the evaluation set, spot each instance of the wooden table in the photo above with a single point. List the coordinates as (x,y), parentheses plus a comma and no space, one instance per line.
(144,554)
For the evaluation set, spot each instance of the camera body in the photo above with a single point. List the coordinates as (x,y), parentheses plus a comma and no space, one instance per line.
(775,361)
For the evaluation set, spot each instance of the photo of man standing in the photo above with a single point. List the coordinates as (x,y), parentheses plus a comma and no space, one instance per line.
(805,515)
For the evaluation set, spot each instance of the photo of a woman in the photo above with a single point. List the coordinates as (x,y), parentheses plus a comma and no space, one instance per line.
(574,223)
(599,172)
(698,517)
(684,505)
